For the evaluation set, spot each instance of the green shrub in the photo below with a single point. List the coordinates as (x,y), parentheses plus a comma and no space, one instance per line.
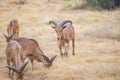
(105,4)
(93,3)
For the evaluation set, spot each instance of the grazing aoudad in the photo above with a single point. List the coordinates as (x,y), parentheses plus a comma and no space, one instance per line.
(14,54)
(33,51)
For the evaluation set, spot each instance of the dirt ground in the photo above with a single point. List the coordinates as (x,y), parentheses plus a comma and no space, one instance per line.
(97,45)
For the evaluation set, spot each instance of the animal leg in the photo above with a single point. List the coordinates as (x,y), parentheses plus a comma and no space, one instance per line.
(32,64)
(8,62)
(17,34)
(60,51)
(12,73)
(73,45)
(66,49)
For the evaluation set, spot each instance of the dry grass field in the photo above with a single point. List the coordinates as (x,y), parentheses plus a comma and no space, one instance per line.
(97,45)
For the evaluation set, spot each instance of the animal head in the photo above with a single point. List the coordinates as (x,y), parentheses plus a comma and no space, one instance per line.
(48,62)
(13,22)
(8,38)
(59,28)
(18,71)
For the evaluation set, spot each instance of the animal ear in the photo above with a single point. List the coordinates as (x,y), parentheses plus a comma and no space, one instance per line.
(64,27)
(21,69)
(53,58)
(13,69)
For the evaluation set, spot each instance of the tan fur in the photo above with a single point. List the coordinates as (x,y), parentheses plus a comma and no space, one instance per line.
(13,27)
(33,51)
(14,55)
(65,34)
(31,47)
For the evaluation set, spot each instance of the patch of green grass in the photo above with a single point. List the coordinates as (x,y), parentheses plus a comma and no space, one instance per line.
(70,3)
(56,51)
(69,6)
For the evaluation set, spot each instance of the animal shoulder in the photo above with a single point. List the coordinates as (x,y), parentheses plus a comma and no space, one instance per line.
(35,42)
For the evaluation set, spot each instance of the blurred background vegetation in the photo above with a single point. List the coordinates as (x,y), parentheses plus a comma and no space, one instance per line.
(104,4)
(96,4)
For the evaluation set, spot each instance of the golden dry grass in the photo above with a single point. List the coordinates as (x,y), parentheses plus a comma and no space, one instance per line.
(97,40)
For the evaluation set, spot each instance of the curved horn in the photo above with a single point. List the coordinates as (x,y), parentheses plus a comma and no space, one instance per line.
(53,22)
(45,57)
(53,58)
(64,22)
(21,69)
(5,36)
(12,68)
(12,35)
